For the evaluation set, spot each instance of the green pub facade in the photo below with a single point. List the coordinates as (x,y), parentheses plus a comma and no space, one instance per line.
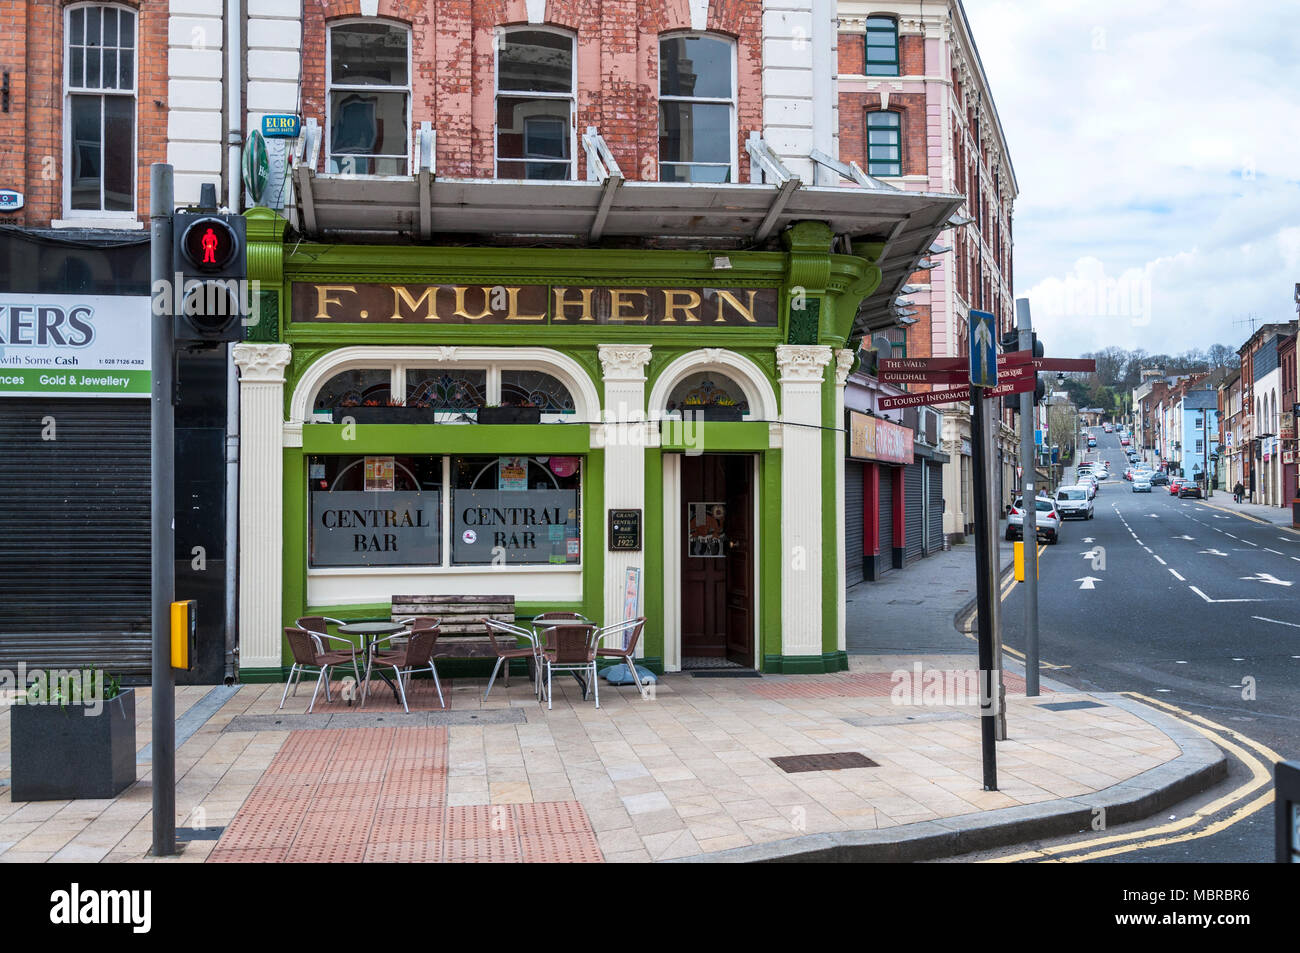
(540,421)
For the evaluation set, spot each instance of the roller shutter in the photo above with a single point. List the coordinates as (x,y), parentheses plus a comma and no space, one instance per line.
(74,534)
(853,523)
(934,515)
(886,509)
(913,509)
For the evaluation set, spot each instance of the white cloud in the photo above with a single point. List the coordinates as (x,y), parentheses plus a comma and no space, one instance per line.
(1153,143)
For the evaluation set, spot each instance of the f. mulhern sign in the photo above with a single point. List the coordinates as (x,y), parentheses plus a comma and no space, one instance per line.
(370,303)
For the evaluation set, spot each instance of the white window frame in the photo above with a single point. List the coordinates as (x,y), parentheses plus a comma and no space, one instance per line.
(331,87)
(733,102)
(571,97)
(100,216)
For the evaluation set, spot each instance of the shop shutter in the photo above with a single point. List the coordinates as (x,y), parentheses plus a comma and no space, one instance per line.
(853,523)
(935,514)
(913,509)
(74,534)
(886,511)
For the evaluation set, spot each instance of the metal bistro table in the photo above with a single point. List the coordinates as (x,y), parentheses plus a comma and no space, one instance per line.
(369,630)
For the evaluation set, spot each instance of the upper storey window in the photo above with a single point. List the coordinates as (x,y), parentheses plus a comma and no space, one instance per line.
(535,105)
(100,123)
(369,98)
(882,46)
(697,108)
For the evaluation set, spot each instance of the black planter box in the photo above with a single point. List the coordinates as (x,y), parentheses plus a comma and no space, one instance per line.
(61,754)
(714,412)
(387,415)
(510,415)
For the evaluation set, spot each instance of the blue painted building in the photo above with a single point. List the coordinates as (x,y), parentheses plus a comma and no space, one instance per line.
(1199,413)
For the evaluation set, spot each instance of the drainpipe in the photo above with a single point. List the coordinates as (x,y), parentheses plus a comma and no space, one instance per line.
(234,139)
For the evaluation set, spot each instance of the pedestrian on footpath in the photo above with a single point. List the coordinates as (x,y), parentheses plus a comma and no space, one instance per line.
(1238,492)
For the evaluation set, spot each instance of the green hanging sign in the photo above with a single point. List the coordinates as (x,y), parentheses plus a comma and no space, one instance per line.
(256,166)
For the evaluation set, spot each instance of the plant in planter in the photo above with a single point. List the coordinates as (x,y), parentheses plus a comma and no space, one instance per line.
(391,411)
(525,412)
(720,409)
(72,735)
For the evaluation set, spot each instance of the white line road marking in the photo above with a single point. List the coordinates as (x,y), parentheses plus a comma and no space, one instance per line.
(1148,549)
(1159,560)
(1249,543)
(1273,551)
(1211,552)
(1174,572)
(1268,578)
(1229,535)
(1208,599)
(1277,622)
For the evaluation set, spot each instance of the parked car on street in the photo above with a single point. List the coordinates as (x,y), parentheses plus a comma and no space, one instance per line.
(1190,489)
(1174,484)
(1142,484)
(1159,479)
(1074,501)
(1047,520)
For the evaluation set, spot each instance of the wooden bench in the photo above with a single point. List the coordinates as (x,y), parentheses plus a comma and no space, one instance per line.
(462,633)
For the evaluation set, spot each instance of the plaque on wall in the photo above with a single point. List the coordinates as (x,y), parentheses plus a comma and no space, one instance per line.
(625,530)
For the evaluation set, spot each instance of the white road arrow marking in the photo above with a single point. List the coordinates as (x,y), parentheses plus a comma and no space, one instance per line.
(1208,599)
(1087,539)
(1276,621)
(1189,538)
(1088,582)
(1153,516)
(1266,577)
(1211,552)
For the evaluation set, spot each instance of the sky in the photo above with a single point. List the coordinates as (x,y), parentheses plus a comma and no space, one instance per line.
(1156,146)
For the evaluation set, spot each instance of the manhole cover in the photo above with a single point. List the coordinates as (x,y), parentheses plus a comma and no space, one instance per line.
(837,761)
(1070,706)
(202,833)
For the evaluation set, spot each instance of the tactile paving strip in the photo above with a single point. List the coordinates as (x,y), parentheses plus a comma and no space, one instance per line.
(380,795)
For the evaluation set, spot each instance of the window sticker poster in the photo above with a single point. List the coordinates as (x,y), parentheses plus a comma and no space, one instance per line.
(706,535)
(512,473)
(381,475)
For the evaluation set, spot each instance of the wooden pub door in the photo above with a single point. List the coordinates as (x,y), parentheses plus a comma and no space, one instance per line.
(717,557)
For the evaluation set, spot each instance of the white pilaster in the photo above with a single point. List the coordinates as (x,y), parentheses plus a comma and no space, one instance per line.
(801,497)
(195,84)
(261,494)
(625,435)
(843,362)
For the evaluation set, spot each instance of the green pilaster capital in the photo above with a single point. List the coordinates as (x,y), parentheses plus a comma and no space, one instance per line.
(265,236)
(809,248)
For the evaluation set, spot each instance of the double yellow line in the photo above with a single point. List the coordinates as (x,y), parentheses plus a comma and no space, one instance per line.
(1179,831)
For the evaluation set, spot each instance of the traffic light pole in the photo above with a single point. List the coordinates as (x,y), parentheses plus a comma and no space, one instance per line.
(1030,529)
(163,504)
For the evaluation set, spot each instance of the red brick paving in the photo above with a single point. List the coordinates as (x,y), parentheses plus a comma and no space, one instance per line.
(379,795)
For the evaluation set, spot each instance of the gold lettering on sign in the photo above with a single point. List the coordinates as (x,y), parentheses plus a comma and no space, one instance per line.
(617,304)
(460,311)
(514,314)
(323,300)
(671,307)
(563,304)
(746,313)
(400,294)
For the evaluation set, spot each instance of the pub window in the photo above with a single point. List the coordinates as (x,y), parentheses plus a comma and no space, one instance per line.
(369,98)
(697,108)
(535,108)
(525,388)
(363,387)
(374,510)
(706,389)
(882,46)
(884,143)
(516,510)
(99,132)
(455,392)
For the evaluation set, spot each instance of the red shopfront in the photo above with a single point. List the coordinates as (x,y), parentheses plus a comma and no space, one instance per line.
(878,454)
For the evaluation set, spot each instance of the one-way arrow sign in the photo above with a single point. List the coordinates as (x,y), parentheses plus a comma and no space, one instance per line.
(983,349)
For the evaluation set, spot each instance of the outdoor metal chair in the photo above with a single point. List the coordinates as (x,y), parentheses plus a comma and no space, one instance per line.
(629,632)
(507,649)
(571,648)
(309,652)
(415,656)
(319,625)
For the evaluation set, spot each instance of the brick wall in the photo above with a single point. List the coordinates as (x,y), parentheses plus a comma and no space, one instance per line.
(32,150)
(453,85)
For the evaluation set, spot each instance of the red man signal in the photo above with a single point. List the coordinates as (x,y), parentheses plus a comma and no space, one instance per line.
(209,247)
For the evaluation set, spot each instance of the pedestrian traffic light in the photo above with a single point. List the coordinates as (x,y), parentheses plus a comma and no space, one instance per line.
(1040,389)
(209,262)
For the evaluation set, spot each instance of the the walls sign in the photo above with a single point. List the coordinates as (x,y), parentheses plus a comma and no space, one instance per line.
(369,303)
